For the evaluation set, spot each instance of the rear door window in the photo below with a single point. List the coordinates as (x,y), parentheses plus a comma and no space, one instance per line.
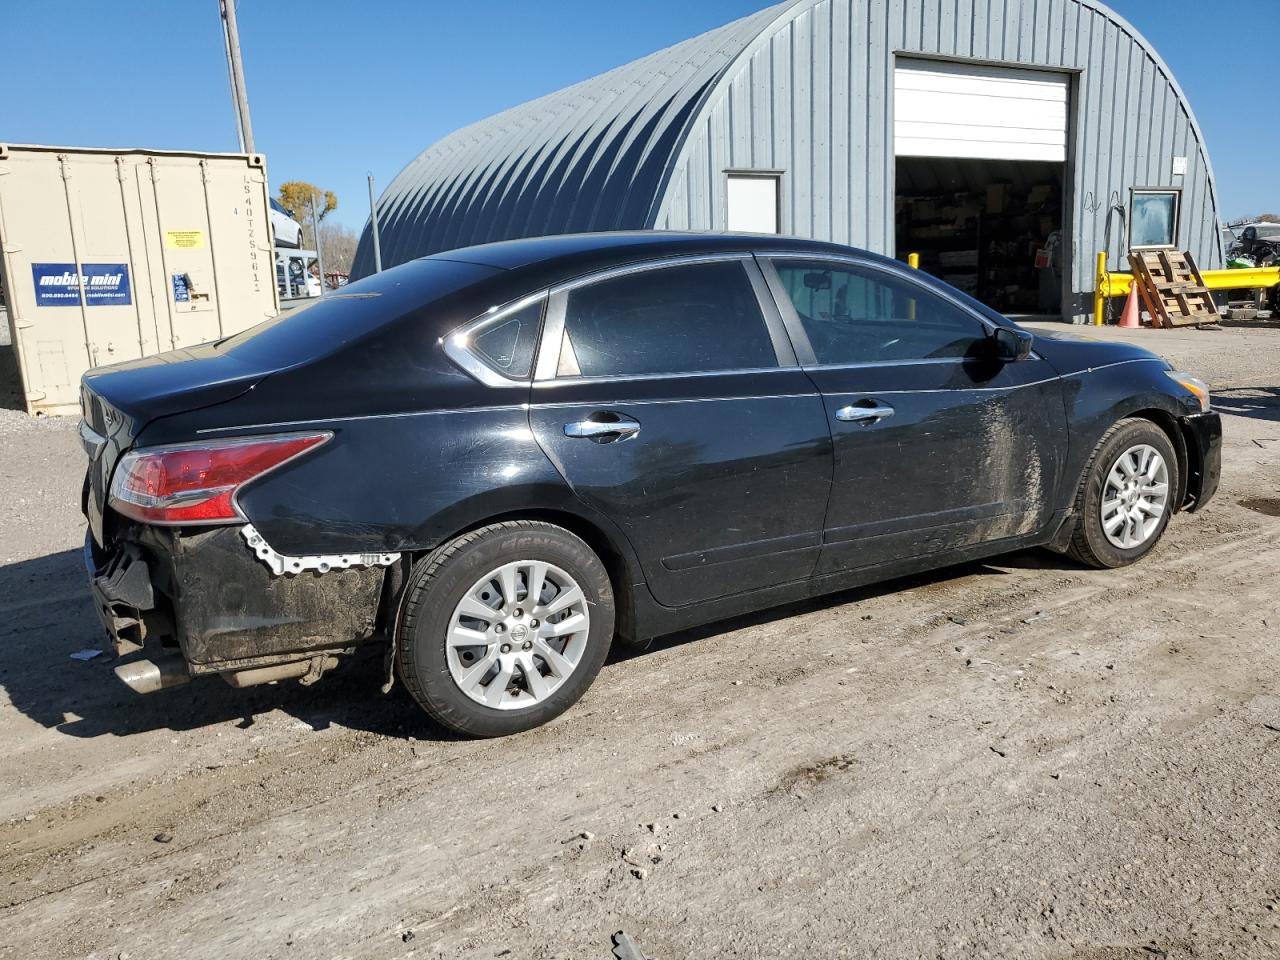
(688,318)
(854,314)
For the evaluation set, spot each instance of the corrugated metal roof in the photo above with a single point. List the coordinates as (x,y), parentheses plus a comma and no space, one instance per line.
(591,157)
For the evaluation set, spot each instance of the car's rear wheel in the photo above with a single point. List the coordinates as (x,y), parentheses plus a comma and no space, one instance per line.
(505,627)
(1127,495)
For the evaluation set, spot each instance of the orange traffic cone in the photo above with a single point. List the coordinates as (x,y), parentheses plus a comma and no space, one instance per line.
(1132,316)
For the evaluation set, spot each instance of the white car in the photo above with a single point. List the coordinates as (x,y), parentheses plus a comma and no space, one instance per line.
(287,230)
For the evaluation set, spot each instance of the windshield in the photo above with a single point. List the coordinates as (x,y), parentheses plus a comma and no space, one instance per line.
(358,309)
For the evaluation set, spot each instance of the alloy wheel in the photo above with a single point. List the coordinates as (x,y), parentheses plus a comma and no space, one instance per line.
(517,635)
(1134,497)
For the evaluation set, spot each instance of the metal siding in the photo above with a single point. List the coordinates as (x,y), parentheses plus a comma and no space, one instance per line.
(805,87)
(803,133)
(1127,112)
(841,159)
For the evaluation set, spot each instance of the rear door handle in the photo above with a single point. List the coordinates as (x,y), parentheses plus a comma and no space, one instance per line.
(603,430)
(872,413)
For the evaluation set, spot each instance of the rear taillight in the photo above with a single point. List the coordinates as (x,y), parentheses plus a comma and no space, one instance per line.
(197,483)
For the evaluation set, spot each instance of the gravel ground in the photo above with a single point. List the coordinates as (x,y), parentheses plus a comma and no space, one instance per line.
(1018,758)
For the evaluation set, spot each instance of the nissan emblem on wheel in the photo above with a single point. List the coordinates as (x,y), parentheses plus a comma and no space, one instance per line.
(496,462)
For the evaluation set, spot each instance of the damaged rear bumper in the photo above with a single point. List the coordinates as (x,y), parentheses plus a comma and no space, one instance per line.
(1203,435)
(206,601)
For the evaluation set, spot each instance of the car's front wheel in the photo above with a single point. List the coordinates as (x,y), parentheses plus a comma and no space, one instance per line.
(1127,495)
(505,627)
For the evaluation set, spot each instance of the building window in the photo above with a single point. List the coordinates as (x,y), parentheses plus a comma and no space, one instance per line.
(753,202)
(1154,218)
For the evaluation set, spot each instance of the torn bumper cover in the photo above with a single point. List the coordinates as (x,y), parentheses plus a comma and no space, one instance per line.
(209,595)
(121,588)
(1203,435)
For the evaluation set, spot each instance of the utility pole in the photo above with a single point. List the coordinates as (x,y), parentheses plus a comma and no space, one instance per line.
(373,223)
(239,95)
(315,226)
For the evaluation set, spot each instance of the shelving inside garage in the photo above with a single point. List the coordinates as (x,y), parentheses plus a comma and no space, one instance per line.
(992,228)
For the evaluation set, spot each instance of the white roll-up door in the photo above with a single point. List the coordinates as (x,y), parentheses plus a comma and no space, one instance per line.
(966,110)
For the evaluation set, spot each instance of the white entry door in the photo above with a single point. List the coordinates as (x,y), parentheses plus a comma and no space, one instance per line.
(990,113)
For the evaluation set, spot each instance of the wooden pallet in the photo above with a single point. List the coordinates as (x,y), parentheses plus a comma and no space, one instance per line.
(1172,288)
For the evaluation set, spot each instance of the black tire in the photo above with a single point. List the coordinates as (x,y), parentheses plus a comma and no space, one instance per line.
(1089,543)
(439,582)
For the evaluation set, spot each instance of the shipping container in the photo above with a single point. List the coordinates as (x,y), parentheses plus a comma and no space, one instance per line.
(111,255)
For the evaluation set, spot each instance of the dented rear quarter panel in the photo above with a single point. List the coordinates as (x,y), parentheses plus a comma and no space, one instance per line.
(420,452)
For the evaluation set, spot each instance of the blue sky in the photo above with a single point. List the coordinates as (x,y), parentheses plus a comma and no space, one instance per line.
(364,87)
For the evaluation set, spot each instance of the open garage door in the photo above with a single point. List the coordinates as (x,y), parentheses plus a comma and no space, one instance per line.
(981,168)
(966,110)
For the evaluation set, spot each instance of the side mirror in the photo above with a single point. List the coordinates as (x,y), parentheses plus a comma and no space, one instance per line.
(1012,345)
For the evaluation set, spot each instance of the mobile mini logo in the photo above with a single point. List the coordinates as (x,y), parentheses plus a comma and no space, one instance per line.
(101,281)
(60,284)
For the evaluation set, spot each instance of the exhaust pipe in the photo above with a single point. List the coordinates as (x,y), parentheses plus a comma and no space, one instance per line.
(146,676)
(313,667)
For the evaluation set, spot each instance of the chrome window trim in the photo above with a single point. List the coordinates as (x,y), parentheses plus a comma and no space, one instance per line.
(457,343)
(804,349)
(548,359)
(687,375)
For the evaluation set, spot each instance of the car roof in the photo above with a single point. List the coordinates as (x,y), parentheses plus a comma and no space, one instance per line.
(568,255)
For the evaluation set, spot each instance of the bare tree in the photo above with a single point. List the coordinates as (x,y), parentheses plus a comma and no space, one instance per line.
(338,244)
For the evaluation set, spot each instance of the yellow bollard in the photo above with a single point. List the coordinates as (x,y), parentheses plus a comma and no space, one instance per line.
(1099,296)
(913,261)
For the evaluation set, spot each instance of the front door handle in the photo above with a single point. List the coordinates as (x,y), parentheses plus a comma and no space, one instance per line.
(872,413)
(603,430)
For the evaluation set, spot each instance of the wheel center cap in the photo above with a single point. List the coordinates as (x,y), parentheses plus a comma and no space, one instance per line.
(519,632)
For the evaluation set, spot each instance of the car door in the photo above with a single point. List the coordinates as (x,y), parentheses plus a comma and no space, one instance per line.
(938,443)
(668,397)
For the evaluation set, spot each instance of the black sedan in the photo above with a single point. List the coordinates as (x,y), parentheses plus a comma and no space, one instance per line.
(494,461)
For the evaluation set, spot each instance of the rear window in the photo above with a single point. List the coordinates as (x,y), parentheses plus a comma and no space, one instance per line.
(356,310)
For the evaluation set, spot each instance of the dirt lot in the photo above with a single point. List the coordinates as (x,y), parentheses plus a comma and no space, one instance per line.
(1013,759)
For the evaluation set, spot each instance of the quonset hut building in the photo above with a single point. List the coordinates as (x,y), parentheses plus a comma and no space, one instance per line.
(1005,141)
